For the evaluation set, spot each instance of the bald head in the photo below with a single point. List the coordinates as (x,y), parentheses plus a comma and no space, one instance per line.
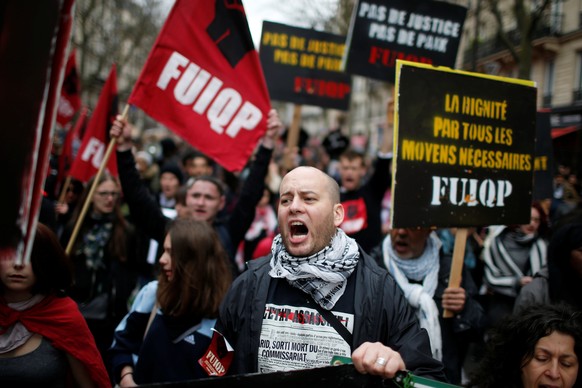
(309,210)
(312,175)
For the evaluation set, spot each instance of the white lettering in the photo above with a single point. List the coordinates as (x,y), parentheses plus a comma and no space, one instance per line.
(469,192)
(171,70)
(94,151)
(223,106)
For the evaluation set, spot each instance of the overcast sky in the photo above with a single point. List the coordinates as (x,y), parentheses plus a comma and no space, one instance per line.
(259,10)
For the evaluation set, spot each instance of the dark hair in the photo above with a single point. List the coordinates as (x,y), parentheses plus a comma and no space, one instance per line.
(173,169)
(201,271)
(351,155)
(193,154)
(50,264)
(512,343)
(76,186)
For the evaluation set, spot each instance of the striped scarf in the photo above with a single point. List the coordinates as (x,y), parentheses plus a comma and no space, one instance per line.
(502,274)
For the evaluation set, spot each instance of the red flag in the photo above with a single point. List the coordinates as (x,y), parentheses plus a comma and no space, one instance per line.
(38,37)
(203,80)
(66,156)
(70,101)
(96,138)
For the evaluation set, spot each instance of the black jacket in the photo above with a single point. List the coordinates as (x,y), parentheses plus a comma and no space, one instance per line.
(381,312)
(372,194)
(457,332)
(147,214)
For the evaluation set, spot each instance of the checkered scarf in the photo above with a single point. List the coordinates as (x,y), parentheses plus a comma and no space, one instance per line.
(322,275)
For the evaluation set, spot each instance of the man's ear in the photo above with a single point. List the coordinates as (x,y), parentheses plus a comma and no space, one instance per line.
(222,202)
(338,214)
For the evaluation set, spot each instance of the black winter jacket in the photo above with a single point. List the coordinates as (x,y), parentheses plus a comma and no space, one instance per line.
(381,312)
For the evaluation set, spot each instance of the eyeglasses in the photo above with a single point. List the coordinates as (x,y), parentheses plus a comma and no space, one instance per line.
(104,194)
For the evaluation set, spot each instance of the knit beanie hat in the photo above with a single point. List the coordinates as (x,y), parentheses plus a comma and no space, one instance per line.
(173,169)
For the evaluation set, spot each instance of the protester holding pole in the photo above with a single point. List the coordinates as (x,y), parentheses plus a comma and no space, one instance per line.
(206,195)
(103,258)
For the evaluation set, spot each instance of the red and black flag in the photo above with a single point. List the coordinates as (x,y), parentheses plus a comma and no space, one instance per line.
(96,137)
(204,81)
(74,134)
(70,101)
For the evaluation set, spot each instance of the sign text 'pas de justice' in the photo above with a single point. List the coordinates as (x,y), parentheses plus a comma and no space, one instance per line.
(464,148)
(303,66)
(383,31)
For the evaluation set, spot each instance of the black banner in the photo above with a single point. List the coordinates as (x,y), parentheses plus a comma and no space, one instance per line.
(304,66)
(383,31)
(465,148)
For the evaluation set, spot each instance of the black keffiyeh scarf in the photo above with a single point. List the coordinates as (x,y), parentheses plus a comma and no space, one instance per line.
(322,275)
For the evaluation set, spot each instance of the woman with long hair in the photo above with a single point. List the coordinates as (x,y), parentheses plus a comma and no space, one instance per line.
(103,257)
(44,340)
(169,326)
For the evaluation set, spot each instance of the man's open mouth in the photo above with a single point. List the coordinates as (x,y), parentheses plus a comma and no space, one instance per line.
(298,229)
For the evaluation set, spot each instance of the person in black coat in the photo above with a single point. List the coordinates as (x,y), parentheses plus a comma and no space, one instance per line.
(416,260)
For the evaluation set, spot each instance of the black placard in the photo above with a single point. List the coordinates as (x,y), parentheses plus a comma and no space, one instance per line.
(303,66)
(465,148)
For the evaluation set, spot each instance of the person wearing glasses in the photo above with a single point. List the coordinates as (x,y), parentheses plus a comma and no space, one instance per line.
(103,256)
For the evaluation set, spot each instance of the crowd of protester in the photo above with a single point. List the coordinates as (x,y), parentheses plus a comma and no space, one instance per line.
(162,242)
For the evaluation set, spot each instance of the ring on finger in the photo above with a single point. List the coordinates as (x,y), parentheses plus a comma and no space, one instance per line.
(381,361)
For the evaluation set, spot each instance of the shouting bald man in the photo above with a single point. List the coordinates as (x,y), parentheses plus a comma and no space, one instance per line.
(318,295)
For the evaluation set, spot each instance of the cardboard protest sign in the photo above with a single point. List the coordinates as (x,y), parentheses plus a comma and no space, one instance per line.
(203,80)
(303,66)
(464,151)
(382,31)
(544,158)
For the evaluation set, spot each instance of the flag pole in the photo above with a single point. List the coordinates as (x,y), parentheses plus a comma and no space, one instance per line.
(293,137)
(64,190)
(457,263)
(93,188)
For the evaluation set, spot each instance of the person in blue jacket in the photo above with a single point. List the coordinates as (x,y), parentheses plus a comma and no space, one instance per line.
(169,326)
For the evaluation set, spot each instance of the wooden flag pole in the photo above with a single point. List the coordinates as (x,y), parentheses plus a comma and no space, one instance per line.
(64,190)
(93,188)
(457,264)
(293,136)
